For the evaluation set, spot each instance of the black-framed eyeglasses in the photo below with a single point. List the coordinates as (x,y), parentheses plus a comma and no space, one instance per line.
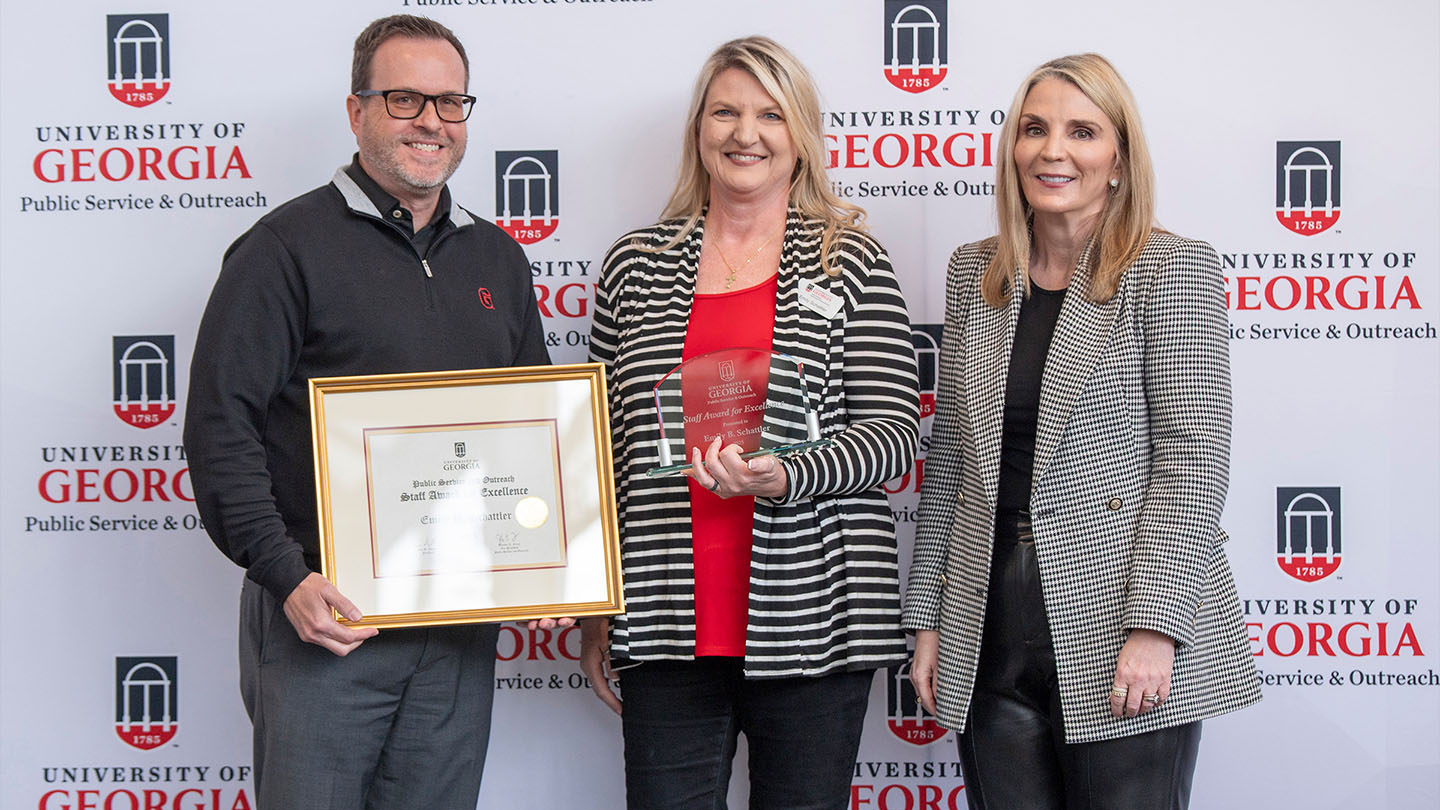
(406,104)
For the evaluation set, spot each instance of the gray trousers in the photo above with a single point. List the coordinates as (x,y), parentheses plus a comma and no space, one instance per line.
(401,723)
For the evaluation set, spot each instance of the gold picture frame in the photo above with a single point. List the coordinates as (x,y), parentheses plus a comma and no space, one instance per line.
(455,497)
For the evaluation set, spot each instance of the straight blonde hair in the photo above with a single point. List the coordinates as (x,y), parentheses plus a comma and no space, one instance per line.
(1129,214)
(787,81)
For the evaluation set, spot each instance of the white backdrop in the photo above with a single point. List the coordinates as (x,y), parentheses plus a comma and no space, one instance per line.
(1334,346)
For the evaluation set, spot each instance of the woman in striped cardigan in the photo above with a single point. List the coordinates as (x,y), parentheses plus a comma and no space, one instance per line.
(761,594)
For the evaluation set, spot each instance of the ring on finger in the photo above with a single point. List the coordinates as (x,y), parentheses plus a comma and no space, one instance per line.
(1151,698)
(1119,691)
(714,484)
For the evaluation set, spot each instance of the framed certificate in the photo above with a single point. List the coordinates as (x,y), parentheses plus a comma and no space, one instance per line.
(467,496)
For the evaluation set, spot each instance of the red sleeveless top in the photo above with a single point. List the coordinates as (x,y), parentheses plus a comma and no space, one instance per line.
(723,528)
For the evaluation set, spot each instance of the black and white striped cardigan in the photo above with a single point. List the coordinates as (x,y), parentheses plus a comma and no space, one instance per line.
(824,580)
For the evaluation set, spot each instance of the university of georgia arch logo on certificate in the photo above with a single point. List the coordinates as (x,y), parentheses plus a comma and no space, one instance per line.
(143,371)
(1307,531)
(1307,185)
(138,57)
(915,44)
(527,194)
(147,700)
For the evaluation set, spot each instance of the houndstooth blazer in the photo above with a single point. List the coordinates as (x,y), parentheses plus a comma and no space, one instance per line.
(1131,467)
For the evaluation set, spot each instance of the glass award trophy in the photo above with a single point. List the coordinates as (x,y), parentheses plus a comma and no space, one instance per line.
(749,397)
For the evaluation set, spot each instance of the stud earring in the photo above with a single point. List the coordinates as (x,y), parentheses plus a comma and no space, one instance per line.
(1114,183)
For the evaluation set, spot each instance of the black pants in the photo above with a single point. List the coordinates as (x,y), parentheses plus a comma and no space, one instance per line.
(682,719)
(1013,748)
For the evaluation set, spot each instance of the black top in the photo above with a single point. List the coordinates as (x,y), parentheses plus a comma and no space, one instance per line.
(1038,313)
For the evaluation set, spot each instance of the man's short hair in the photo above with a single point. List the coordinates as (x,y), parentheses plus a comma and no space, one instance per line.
(398,25)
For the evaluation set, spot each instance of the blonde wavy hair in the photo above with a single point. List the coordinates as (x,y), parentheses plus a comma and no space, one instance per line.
(787,81)
(1129,214)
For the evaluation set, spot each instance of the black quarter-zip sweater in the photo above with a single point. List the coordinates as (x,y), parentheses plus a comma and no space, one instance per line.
(333,283)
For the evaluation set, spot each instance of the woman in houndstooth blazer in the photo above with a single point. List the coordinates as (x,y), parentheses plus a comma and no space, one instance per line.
(1075,615)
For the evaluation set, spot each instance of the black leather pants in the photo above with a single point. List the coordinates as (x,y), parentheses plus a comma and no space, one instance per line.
(1013,749)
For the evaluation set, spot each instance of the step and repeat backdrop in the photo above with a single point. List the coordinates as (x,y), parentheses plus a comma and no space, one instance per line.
(139,139)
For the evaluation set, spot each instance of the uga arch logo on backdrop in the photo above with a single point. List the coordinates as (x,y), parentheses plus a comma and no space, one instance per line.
(138,57)
(915,44)
(144,379)
(925,337)
(904,715)
(1307,531)
(147,700)
(1307,185)
(527,193)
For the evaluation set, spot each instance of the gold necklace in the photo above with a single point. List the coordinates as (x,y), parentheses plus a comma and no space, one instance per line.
(730,279)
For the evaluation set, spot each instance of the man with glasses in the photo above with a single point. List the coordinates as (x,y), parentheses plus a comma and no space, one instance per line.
(378,271)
